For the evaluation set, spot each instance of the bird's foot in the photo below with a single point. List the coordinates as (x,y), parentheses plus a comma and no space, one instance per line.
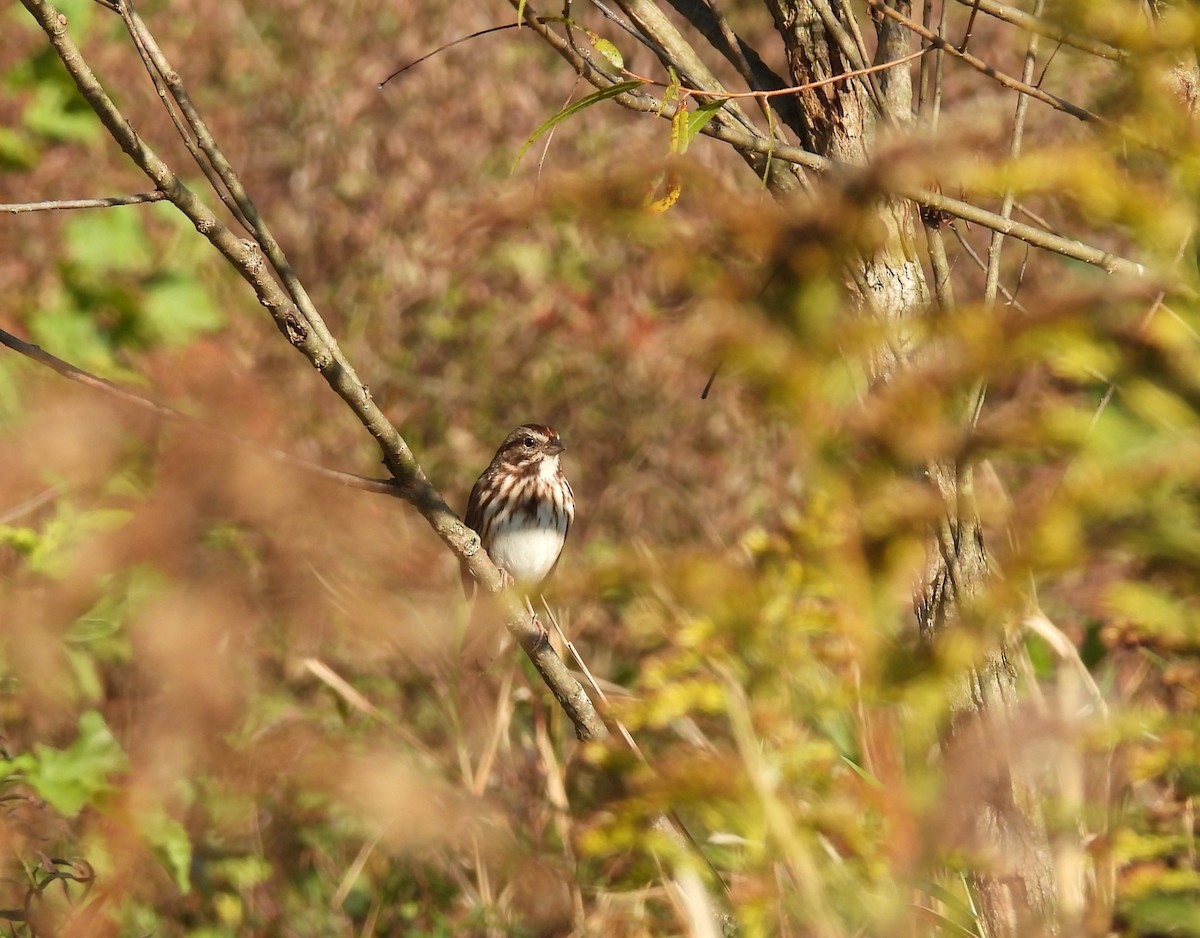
(542,637)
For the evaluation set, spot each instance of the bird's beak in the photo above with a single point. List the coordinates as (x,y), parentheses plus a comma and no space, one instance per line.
(554,447)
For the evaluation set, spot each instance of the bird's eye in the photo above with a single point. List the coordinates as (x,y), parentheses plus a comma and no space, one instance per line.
(528,442)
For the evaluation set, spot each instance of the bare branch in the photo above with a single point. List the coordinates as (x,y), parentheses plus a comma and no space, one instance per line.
(1060,104)
(710,22)
(245,209)
(158,79)
(698,76)
(1035,24)
(16,208)
(87,379)
(311,339)
(992,281)
(747,144)
(1038,237)
(820,83)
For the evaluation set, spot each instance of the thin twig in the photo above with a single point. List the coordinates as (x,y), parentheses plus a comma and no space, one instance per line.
(747,144)
(1035,217)
(979,262)
(95,382)
(1059,104)
(996,246)
(478,779)
(1038,237)
(738,57)
(442,48)
(1034,24)
(31,504)
(939,58)
(556,794)
(668,821)
(851,46)
(929,98)
(632,30)
(54,205)
(1037,622)
(245,209)
(304,329)
(924,74)
(970,28)
(675,52)
(943,289)
(794,89)
(159,79)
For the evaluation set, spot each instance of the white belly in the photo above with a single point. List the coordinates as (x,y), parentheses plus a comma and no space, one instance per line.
(528,553)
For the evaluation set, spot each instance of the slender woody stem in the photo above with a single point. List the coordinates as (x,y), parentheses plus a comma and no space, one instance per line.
(95,382)
(55,205)
(309,337)
(1060,104)
(747,143)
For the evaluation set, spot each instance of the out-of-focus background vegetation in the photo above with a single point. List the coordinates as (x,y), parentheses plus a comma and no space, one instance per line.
(229,699)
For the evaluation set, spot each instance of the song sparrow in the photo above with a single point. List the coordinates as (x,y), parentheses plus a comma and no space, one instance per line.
(522,506)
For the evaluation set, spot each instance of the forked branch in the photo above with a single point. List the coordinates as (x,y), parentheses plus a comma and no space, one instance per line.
(303,329)
(297,318)
(758,149)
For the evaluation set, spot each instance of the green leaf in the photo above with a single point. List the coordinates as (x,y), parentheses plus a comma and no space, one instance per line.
(951,900)
(1165,915)
(674,88)
(72,335)
(109,240)
(685,124)
(58,113)
(70,778)
(862,773)
(948,925)
(607,49)
(50,551)
(102,621)
(22,540)
(698,120)
(179,308)
(596,97)
(680,138)
(17,150)
(170,841)
(243,873)
(86,673)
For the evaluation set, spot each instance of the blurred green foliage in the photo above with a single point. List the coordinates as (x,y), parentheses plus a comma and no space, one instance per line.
(52,110)
(114,293)
(77,776)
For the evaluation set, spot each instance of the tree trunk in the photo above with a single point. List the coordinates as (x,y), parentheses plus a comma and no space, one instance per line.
(844,121)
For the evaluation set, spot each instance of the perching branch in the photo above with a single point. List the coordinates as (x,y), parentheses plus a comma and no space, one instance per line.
(298,320)
(304,329)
